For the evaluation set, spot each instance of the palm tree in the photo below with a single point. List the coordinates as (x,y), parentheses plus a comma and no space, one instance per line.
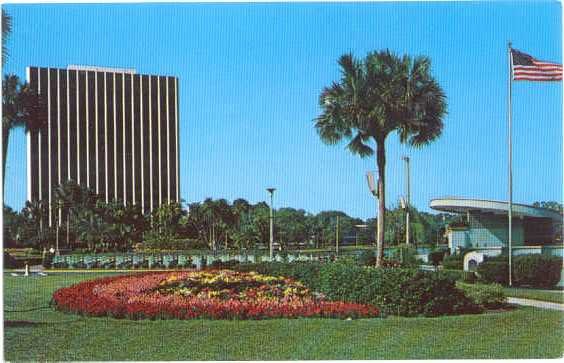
(6,31)
(376,96)
(21,106)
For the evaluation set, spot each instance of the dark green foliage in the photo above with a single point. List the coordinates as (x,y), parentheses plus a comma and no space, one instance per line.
(367,258)
(218,264)
(537,270)
(454,262)
(528,270)
(460,275)
(405,292)
(397,291)
(489,296)
(436,257)
(494,271)
(10,261)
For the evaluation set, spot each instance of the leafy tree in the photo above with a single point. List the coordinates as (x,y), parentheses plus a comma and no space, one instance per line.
(13,227)
(33,216)
(6,31)
(21,107)
(552,205)
(291,226)
(376,96)
(165,221)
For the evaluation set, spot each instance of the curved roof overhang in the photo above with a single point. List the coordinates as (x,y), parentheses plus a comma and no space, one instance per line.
(464,205)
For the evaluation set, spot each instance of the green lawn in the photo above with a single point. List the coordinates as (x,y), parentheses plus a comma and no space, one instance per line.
(50,335)
(556,296)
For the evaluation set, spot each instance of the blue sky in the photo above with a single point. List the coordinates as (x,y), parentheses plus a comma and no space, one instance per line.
(250,76)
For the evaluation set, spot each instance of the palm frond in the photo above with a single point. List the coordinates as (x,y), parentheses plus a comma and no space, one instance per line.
(357,145)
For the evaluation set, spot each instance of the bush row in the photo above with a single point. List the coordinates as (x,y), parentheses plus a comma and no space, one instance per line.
(534,270)
(397,291)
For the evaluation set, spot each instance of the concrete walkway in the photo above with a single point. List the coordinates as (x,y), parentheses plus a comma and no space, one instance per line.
(536,303)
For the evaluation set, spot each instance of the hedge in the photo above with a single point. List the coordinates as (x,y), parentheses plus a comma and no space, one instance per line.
(534,270)
(453,262)
(397,291)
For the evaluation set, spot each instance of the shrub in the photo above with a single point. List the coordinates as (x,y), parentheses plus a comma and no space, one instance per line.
(406,255)
(217,264)
(397,291)
(48,260)
(10,261)
(436,257)
(459,275)
(454,262)
(489,296)
(493,271)
(537,270)
(366,258)
(528,270)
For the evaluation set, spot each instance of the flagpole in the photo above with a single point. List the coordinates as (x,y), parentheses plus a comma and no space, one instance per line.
(509,141)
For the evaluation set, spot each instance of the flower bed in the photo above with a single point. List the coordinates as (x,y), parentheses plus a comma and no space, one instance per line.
(220,294)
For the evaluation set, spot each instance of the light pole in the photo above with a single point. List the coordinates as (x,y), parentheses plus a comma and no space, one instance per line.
(408,200)
(271,191)
(374,190)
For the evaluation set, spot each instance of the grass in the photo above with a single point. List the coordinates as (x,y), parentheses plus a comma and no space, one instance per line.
(50,335)
(556,296)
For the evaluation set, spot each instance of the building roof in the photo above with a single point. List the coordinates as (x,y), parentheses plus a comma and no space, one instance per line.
(463,205)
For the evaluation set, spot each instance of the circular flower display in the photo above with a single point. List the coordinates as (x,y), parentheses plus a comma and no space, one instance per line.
(222,294)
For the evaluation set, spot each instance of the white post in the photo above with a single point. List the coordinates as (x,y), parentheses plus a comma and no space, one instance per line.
(510,176)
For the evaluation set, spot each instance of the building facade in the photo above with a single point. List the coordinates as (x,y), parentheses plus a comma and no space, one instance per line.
(486,224)
(111,130)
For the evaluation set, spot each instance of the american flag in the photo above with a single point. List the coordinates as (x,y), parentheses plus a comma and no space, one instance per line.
(527,68)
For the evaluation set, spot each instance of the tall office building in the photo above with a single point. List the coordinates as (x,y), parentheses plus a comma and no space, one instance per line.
(111,130)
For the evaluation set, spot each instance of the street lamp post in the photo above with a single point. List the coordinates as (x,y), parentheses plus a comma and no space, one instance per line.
(271,191)
(408,200)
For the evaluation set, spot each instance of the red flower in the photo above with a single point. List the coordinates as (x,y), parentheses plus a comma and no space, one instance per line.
(138,297)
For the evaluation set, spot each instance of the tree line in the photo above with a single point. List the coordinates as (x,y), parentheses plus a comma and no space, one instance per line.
(83,220)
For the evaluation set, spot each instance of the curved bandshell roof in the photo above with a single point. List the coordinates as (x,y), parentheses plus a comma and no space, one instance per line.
(463,205)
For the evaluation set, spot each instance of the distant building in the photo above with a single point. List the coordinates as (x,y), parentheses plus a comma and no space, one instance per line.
(111,130)
(486,225)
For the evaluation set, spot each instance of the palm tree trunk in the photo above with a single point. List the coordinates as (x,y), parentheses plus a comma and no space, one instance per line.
(381,163)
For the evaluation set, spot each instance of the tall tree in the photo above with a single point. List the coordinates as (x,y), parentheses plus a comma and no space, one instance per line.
(21,107)
(6,31)
(378,95)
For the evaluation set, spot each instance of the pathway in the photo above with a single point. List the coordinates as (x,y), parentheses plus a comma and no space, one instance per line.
(536,303)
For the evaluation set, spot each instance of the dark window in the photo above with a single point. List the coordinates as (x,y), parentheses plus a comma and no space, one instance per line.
(146,143)
(110,135)
(154,140)
(119,135)
(136,135)
(91,127)
(64,124)
(128,140)
(34,143)
(163,141)
(172,137)
(81,126)
(72,125)
(101,147)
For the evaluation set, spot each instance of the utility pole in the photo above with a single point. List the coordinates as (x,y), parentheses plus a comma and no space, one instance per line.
(408,200)
(271,191)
